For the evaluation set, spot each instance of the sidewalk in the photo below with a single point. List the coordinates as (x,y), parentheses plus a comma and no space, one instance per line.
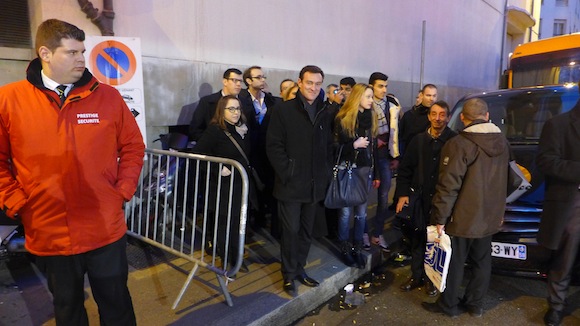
(156,279)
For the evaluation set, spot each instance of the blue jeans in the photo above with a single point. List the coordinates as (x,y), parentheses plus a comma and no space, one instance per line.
(385,173)
(360,216)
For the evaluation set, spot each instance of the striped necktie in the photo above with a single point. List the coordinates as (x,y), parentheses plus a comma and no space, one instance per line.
(60,90)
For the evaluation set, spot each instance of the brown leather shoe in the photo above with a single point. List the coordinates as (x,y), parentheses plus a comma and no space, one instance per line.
(411,284)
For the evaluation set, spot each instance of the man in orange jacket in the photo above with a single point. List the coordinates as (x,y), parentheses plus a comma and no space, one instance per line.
(70,155)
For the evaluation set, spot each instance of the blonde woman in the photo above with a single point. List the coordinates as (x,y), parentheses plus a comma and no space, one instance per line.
(355,131)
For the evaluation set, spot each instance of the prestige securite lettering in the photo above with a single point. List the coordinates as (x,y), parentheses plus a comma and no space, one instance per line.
(87,118)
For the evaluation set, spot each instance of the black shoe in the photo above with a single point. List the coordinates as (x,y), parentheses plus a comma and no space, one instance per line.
(430,288)
(307,280)
(358,257)
(289,288)
(436,308)
(553,317)
(411,284)
(475,311)
(345,249)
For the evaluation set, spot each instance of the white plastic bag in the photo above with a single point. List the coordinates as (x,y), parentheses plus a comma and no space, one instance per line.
(437,257)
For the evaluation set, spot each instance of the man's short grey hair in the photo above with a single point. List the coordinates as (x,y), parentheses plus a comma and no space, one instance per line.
(475,109)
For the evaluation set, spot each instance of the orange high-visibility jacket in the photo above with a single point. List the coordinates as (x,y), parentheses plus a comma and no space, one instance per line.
(67,171)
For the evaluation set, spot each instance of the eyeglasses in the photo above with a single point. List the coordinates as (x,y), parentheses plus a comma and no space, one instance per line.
(235,80)
(259,77)
(234,109)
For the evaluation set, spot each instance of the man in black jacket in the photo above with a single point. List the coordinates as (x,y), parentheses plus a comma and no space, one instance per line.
(415,120)
(298,145)
(418,172)
(257,106)
(232,81)
(559,160)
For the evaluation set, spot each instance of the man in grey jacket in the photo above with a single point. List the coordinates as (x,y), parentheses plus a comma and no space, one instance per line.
(469,204)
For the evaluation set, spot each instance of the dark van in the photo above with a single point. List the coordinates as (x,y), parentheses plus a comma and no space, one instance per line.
(520,114)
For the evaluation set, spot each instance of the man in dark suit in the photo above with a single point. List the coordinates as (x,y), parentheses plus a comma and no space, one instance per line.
(257,106)
(298,144)
(232,81)
(559,159)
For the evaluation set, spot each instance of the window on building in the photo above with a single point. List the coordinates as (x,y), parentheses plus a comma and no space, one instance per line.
(559,27)
(561,3)
(14,24)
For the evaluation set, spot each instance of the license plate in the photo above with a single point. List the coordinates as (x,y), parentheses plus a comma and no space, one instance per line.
(509,250)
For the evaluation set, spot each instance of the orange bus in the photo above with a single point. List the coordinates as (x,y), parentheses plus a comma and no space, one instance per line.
(551,61)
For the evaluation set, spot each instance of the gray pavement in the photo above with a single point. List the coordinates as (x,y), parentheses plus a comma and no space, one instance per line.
(510,301)
(156,278)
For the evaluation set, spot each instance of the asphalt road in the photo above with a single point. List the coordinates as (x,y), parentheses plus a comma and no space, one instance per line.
(509,301)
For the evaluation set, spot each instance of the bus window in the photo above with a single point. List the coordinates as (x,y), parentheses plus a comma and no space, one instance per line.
(551,61)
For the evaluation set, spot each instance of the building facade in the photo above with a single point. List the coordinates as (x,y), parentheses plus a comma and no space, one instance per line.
(461,46)
(559,17)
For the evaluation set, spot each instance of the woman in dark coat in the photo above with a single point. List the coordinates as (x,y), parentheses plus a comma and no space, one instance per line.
(355,132)
(227,122)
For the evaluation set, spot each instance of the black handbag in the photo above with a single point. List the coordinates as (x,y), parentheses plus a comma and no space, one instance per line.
(350,184)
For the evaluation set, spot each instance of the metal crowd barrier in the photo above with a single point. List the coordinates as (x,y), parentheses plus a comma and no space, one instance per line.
(172,210)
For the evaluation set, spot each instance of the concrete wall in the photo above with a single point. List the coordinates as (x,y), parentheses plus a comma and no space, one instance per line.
(188,44)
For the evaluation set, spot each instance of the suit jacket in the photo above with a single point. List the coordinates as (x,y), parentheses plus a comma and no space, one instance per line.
(203,114)
(258,158)
(559,159)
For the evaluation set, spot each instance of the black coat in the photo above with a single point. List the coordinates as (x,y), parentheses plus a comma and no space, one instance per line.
(559,159)
(300,151)
(423,151)
(364,156)
(413,122)
(214,142)
(203,115)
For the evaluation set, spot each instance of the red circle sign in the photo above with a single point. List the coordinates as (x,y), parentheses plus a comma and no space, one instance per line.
(113,62)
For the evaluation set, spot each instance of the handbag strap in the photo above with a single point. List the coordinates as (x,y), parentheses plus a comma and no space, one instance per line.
(339,155)
(237,146)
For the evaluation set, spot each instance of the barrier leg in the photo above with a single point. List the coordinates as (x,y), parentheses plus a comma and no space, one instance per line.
(225,291)
(185,286)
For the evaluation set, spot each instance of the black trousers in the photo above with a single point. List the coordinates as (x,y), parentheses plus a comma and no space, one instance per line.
(479,253)
(107,270)
(563,259)
(418,239)
(296,221)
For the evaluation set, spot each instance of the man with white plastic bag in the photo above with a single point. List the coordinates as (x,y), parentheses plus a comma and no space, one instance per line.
(437,257)
(469,205)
